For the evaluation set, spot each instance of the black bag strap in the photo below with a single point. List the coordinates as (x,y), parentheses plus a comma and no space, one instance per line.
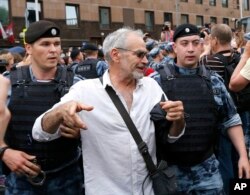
(142,146)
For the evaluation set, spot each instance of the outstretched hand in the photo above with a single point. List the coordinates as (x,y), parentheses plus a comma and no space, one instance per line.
(71,121)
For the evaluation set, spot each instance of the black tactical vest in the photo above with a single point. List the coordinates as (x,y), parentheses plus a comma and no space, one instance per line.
(30,99)
(196,93)
(87,68)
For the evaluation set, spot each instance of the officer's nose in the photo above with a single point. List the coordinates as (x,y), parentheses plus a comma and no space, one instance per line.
(52,47)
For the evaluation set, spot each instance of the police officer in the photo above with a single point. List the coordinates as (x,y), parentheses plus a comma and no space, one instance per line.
(37,167)
(87,68)
(208,106)
(157,58)
(77,57)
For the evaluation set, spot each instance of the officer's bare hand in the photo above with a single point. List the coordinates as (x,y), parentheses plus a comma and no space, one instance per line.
(20,163)
(243,168)
(174,110)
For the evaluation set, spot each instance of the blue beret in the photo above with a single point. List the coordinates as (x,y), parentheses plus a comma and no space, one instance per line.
(169,47)
(41,29)
(162,45)
(154,52)
(184,30)
(17,49)
(89,46)
(150,44)
(74,53)
(247,36)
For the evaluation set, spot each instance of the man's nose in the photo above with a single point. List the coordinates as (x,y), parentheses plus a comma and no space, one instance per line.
(52,47)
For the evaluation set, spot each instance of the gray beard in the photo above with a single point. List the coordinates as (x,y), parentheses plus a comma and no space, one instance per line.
(137,75)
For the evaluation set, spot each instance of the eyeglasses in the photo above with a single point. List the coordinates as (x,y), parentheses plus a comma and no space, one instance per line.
(139,53)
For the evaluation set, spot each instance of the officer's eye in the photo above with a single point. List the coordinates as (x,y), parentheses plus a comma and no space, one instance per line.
(184,43)
(197,42)
(57,43)
(45,44)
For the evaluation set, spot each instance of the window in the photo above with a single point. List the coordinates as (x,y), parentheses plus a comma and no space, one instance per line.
(183,0)
(4,12)
(149,20)
(129,17)
(225,21)
(237,4)
(224,3)
(212,2)
(72,15)
(199,1)
(246,5)
(184,19)
(199,21)
(168,17)
(105,17)
(30,13)
(213,20)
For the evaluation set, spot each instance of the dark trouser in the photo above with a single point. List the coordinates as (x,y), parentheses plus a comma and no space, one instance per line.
(245,117)
(201,179)
(68,181)
(228,159)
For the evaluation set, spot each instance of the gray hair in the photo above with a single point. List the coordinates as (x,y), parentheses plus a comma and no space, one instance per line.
(117,39)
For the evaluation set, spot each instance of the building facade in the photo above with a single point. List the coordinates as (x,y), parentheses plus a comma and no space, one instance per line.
(92,20)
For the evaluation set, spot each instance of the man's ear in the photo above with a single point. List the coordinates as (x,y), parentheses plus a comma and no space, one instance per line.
(28,48)
(216,41)
(174,47)
(115,55)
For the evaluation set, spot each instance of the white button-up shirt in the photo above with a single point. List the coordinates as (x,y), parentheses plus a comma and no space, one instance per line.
(112,162)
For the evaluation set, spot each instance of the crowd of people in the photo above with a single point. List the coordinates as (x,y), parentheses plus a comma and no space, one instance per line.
(61,133)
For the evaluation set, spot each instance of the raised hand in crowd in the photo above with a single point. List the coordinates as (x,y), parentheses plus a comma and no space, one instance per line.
(240,80)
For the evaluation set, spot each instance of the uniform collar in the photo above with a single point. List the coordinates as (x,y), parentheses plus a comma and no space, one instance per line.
(33,78)
(186,71)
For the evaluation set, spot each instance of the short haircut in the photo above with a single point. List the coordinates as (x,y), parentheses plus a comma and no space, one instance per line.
(223,33)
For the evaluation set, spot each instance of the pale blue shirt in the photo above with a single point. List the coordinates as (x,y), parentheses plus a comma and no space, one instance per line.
(112,161)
